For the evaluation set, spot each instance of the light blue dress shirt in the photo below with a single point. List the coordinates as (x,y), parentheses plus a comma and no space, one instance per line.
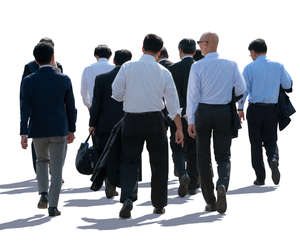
(211,81)
(263,79)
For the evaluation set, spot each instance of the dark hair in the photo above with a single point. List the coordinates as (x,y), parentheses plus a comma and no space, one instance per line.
(188,46)
(152,43)
(258,45)
(43,53)
(102,51)
(122,56)
(198,55)
(163,53)
(47,40)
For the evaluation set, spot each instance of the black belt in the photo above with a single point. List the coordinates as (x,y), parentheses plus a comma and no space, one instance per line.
(263,104)
(145,113)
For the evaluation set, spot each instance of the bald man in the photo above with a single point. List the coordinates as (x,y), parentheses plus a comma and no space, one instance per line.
(209,94)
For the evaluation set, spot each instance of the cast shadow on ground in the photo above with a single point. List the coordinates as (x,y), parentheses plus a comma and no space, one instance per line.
(116,223)
(26,186)
(90,202)
(35,220)
(252,189)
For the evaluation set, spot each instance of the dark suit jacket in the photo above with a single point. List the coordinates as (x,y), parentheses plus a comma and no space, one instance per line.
(285,108)
(105,111)
(47,102)
(32,67)
(180,72)
(166,63)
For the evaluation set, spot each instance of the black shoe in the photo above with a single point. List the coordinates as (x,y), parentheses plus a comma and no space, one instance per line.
(53,211)
(184,184)
(110,190)
(210,207)
(159,210)
(192,192)
(125,210)
(43,202)
(221,199)
(275,172)
(258,182)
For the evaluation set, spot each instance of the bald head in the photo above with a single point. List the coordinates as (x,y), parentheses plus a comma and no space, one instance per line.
(208,42)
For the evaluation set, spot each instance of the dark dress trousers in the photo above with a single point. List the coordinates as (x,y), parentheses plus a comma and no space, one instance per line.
(30,68)
(43,114)
(180,72)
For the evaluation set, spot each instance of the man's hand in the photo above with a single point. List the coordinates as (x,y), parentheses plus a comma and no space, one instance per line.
(179,139)
(192,131)
(91,129)
(241,115)
(70,138)
(24,142)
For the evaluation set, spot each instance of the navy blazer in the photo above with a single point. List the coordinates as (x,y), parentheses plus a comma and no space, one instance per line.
(47,104)
(32,67)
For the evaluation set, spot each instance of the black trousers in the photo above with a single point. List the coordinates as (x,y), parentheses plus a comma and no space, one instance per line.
(186,154)
(137,129)
(262,128)
(213,120)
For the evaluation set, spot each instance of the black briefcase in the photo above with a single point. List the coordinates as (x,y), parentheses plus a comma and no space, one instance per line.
(84,159)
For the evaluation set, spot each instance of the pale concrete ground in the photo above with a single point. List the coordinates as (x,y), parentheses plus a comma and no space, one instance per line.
(266,215)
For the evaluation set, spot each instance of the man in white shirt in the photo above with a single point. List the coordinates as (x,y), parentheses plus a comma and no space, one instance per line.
(142,86)
(102,54)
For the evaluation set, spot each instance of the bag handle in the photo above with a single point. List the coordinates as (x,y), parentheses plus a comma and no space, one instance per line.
(88,137)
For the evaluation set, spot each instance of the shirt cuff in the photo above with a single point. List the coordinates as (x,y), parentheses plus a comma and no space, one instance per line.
(172,116)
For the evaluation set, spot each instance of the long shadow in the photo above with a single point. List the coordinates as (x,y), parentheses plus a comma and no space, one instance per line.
(252,190)
(148,184)
(35,220)
(89,202)
(195,218)
(27,186)
(116,223)
(76,190)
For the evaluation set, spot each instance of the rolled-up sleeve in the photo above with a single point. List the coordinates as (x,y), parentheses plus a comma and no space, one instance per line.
(193,94)
(171,96)
(285,79)
(119,85)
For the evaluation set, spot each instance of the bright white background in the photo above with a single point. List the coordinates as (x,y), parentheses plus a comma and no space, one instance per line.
(256,215)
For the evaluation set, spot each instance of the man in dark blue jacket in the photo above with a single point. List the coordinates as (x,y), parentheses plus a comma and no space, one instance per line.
(48,116)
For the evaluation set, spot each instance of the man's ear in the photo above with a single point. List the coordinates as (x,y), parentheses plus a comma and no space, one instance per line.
(52,60)
(143,50)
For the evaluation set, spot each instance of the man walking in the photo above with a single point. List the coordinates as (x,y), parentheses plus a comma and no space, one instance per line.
(48,116)
(263,79)
(211,82)
(142,86)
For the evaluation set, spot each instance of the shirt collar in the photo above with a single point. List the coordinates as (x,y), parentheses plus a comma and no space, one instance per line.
(147,58)
(187,56)
(212,55)
(163,59)
(102,59)
(48,65)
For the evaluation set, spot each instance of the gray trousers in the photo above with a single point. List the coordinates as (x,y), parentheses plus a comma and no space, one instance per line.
(50,152)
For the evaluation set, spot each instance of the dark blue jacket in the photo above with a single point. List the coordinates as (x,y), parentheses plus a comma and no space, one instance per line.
(47,104)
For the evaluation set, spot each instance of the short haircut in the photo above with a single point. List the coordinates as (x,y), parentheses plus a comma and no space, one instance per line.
(188,46)
(198,55)
(258,45)
(47,40)
(152,43)
(163,53)
(102,51)
(43,53)
(122,56)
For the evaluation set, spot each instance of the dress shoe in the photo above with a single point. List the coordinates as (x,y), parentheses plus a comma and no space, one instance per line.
(125,210)
(275,172)
(43,202)
(210,207)
(110,190)
(159,210)
(221,199)
(192,192)
(53,211)
(183,185)
(258,182)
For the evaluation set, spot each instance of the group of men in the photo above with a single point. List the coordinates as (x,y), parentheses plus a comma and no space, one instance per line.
(195,99)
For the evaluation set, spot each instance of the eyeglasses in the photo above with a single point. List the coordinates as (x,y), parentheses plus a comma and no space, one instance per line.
(202,41)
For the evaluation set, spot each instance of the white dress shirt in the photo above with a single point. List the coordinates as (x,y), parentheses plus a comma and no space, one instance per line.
(143,84)
(88,79)
(211,81)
